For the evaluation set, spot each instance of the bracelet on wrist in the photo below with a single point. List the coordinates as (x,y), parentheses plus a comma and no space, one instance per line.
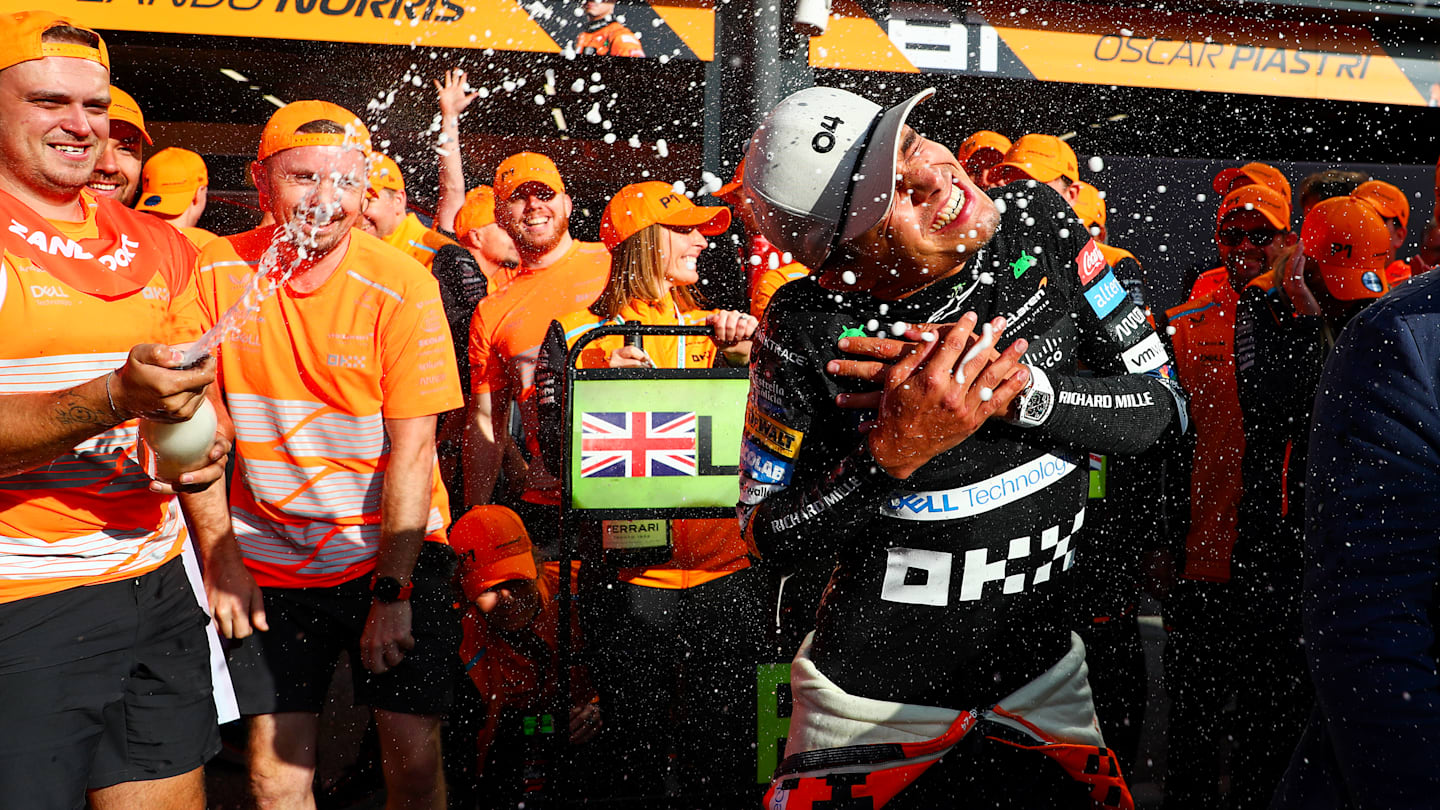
(115,412)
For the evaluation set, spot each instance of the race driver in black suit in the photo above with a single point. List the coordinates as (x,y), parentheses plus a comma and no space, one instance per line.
(942,671)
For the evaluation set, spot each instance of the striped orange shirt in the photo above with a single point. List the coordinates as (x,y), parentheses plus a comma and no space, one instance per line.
(309,383)
(75,297)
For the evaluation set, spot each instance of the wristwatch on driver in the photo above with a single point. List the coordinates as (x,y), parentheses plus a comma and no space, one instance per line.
(1033,405)
(389,589)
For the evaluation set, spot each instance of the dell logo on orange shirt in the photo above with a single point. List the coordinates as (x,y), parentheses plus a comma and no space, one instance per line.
(47,291)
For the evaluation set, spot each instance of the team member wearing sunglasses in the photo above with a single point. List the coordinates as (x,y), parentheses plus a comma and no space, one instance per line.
(1249,353)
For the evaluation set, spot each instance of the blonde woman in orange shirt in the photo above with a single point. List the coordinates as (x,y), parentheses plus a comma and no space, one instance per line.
(680,636)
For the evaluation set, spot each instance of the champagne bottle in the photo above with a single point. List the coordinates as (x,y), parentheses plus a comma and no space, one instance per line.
(172,448)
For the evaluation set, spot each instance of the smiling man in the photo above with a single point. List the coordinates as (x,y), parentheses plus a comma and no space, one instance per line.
(337,506)
(106,682)
(952,524)
(117,172)
(557,275)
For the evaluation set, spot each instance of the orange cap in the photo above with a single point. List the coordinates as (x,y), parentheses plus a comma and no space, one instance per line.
(984,139)
(640,205)
(1043,158)
(123,107)
(1089,206)
(20,39)
(1264,199)
(1387,199)
(493,547)
(526,167)
(477,211)
(727,191)
(282,131)
(169,181)
(1348,240)
(1261,173)
(385,173)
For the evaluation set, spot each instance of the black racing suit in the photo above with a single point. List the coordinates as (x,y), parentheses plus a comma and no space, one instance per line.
(462,286)
(949,587)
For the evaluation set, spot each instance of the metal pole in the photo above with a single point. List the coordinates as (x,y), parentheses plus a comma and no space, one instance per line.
(759,60)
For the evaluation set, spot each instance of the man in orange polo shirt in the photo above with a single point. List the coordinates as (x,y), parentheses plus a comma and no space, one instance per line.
(1390,203)
(604,35)
(106,679)
(557,275)
(387,214)
(979,152)
(173,187)
(337,505)
(117,172)
(1042,158)
(1226,181)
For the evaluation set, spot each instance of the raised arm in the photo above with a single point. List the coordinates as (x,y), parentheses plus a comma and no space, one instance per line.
(453,101)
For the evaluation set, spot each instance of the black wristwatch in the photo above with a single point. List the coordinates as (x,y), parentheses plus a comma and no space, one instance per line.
(389,589)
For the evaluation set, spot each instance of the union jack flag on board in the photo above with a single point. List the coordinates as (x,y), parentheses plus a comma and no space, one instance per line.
(637,444)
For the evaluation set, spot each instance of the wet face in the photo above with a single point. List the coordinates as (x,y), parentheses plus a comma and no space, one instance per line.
(496,245)
(596,10)
(939,219)
(680,249)
(536,217)
(54,117)
(384,211)
(1237,239)
(510,605)
(117,172)
(318,190)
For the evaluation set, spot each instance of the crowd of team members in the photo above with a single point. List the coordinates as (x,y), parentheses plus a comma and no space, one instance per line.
(394,491)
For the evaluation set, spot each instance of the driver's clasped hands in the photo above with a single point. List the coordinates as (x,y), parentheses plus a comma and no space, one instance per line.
(938,386)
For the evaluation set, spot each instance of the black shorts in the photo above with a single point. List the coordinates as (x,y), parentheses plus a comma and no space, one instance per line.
(288,668)
(103,684)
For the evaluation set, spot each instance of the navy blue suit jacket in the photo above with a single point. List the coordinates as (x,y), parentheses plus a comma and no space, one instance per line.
(1372,564)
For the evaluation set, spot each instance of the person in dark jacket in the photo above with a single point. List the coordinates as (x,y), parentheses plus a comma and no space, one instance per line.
(1240,638)
(1372,565)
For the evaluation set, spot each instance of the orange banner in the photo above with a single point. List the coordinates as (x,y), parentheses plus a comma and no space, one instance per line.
(1052,41)
(1072,43)
(499,24)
